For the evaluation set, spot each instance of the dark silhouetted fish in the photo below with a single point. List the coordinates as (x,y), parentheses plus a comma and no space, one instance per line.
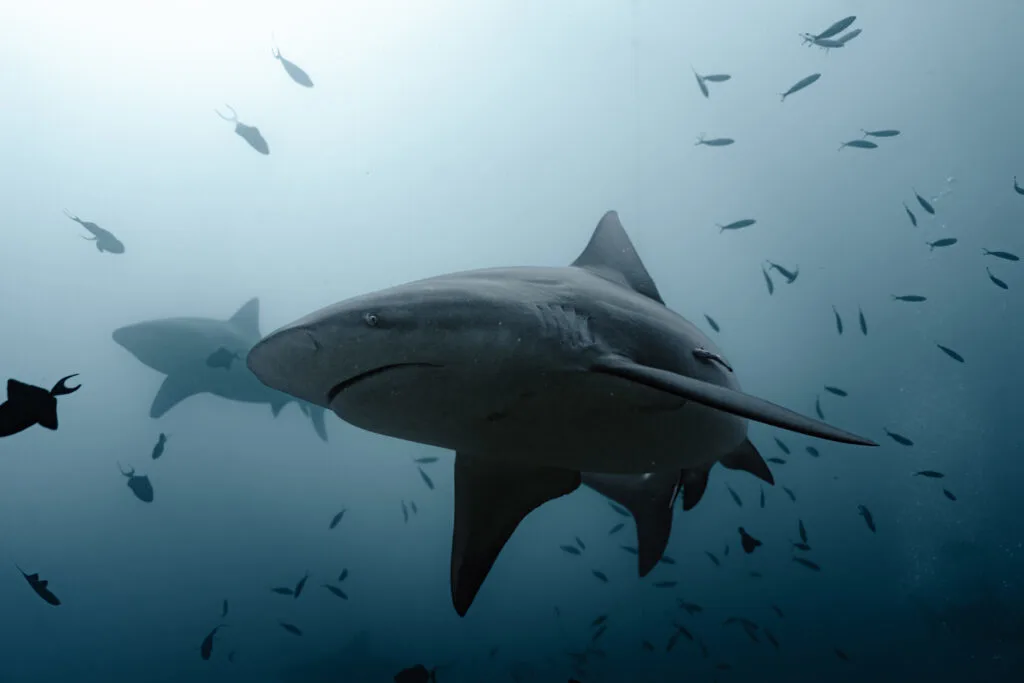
(1005,255)
(842,655)
(29,405)
(924,203)
(426,480)
(40,587)
(836,390)
(789,492)
(913,298)
(221,358)
(843,40)
(296,73)
(343,575)
(158,448)
(632,550)
(667,559)
(868,519)
(790,275)
(337,518)
(858,144)
(884,133)
(571,549)
(944,242)
(777,461)
(412,506)
(1017,188)
(771,638)
(913,218)
(717,78)
(768,281)
(405,513)
(799,85)
(931,474)
(690,607)
(700,83)
(807,563)
(599,620)
(839,320)
(833,30)
(664,584)
(139,484)
(714,559)
(802,546)
(762,498)
(736,225)
(782,446)
(206,647)
(300,585)
(619,509)
(713,142)
(250,134)
(711,322)
(600,575)
(104,239)
(863,322)
(579,542)
(750,544)
(948,494)
(291,628)
(426,460)
(281,590)
(735,496)
(996,281)
(616,529)
(778,610)
(898,438)
(336,591)
(803,530)
(951,353)
(817,407)
(224,609)
(416,674)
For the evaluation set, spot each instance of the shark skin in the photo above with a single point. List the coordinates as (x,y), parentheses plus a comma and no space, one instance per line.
(179,348)
(533,376)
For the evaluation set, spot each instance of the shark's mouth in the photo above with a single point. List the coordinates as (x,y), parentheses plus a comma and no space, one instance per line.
(351,381)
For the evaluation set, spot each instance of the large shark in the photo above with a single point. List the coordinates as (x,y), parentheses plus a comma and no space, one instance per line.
(534,376)
(181,348)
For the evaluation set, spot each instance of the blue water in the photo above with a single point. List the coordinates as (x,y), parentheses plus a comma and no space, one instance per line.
(442,135)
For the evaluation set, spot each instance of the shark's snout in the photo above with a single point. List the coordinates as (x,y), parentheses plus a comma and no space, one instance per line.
(286,360)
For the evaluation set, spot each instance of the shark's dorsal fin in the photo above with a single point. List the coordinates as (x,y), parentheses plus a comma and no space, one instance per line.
(611,254)
(248,317)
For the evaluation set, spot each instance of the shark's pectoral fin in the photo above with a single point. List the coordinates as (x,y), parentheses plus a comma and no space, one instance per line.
(695,483)
(724,399)
(173,391)
(491,499)
(747,458)
(649,498)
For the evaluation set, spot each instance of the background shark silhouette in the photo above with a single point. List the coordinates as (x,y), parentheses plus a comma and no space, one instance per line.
(180,348)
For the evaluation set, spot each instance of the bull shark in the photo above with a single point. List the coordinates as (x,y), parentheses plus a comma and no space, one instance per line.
(535,376)
(180,348)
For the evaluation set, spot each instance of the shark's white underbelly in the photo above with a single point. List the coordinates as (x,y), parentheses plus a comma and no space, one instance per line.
(575,420)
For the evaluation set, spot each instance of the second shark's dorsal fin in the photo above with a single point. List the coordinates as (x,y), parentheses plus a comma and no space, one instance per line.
(248,317)
(611,254)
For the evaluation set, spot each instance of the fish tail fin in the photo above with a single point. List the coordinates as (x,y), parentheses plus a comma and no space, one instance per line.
(985,252)
(865,133)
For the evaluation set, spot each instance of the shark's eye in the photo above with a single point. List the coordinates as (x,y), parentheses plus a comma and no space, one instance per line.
(371,319)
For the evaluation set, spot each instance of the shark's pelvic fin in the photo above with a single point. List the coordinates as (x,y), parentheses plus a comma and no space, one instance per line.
(247,318)
(649,497)
(611,254)
(747,458)
(724,399)
(491,499)
(173,391)
(695,483)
